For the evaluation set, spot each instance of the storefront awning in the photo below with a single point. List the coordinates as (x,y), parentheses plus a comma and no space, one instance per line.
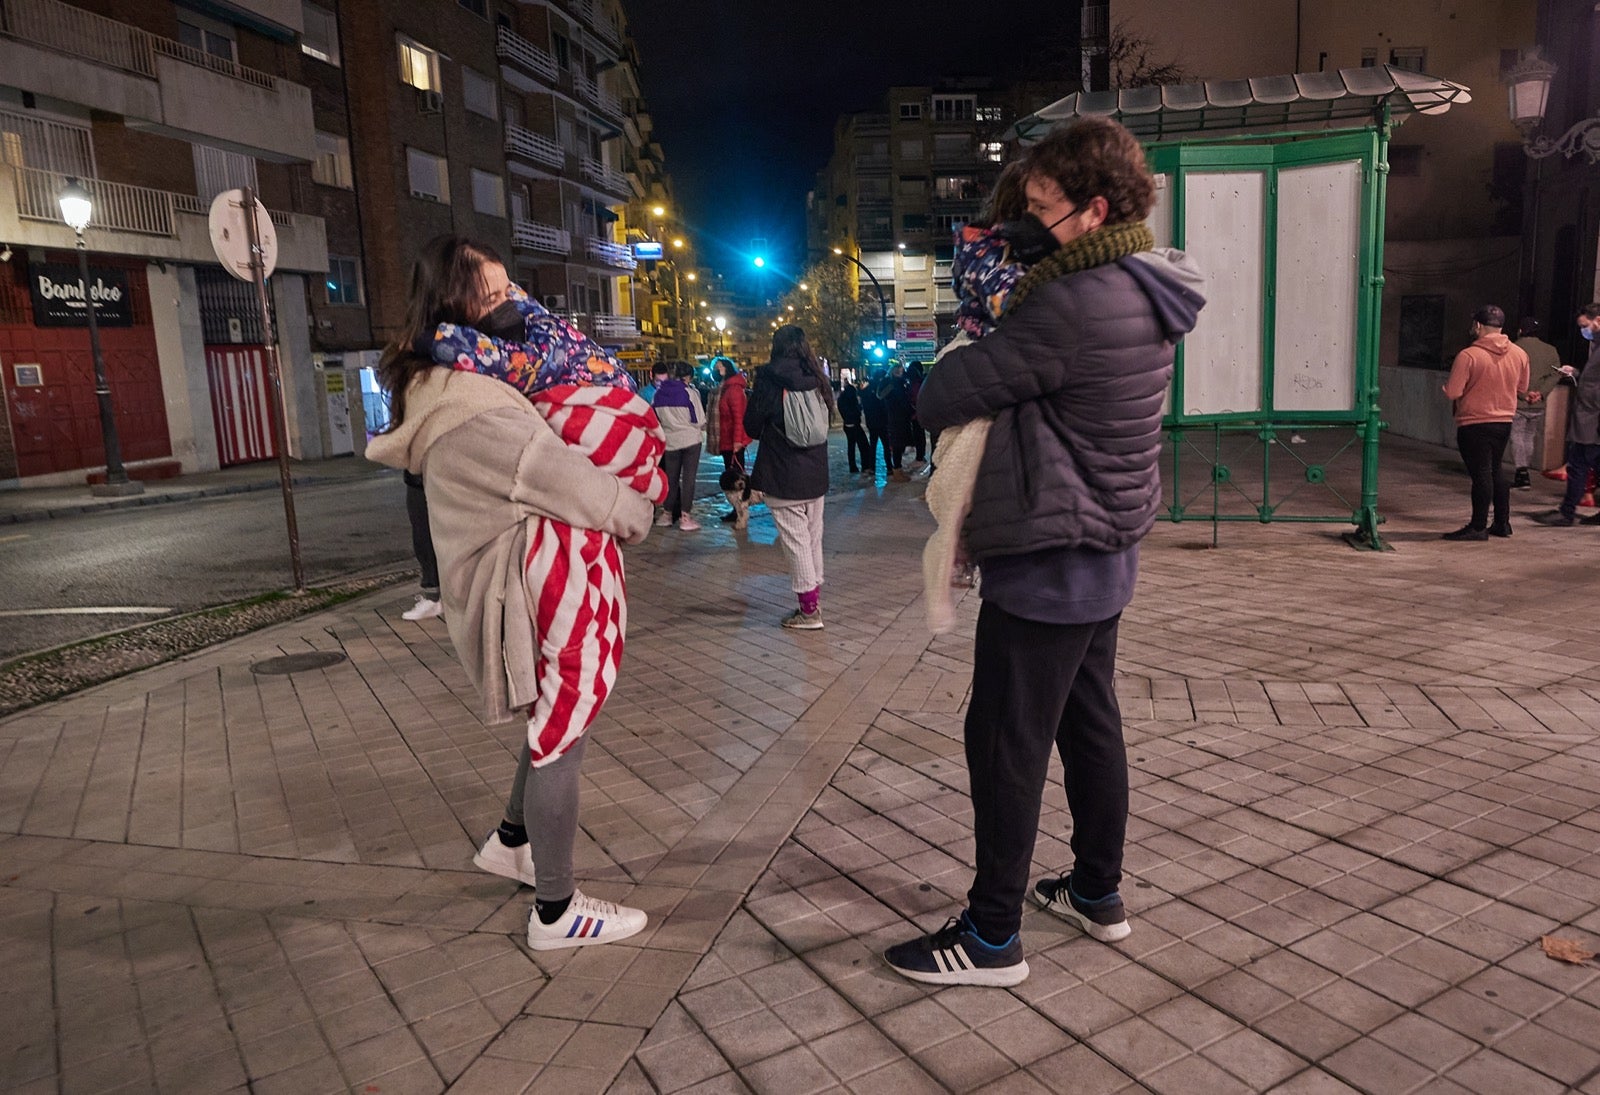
(1305,100)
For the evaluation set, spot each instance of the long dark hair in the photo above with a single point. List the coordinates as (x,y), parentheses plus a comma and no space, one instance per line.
(790,341)
(446,287)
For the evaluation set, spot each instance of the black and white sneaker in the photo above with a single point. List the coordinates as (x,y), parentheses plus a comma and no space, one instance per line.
(955,955)
(1104,918)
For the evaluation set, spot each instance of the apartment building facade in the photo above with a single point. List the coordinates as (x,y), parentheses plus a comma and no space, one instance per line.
(901,181)
(1454,215)
(156,108)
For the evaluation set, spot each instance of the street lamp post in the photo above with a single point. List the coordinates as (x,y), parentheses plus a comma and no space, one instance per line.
(76,209)
(883,304)
(721,324)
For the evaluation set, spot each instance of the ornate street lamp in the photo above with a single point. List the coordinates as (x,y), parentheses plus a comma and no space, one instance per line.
(721,324)
(77,207)
(1528,89)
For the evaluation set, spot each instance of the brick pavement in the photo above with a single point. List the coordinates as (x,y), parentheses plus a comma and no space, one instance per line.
(1363,787)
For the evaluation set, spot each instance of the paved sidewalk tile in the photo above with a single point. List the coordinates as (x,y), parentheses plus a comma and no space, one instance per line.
(1363,787)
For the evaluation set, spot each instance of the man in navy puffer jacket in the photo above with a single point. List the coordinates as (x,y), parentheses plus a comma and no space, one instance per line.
(1069,484)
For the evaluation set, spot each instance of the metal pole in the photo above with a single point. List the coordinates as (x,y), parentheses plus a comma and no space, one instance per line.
(883,305)
(116,474)
(279,408)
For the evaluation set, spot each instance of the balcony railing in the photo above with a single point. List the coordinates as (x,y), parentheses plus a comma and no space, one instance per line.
(612,254)
(606,178)
(119,207)
(534,146)
(591,92)
(541,237)
(590,13)
(81,33)
(614,328)
(513,47)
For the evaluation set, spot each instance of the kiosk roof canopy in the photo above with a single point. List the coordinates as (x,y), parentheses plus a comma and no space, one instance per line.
(1303,101)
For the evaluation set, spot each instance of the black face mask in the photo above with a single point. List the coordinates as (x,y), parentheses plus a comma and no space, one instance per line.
(1029,238)
(504,323)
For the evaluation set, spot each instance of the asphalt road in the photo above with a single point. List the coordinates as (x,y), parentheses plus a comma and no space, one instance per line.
(183,556)
(186,556)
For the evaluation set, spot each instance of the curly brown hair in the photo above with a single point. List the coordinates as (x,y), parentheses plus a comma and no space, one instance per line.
(1096,157)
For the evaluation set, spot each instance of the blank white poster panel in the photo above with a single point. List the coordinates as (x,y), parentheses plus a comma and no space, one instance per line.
(1319,255)
(1224,215)
(1160,222)
(1160,219)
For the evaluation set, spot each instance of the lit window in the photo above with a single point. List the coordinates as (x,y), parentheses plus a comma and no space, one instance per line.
(332,165)
(478,93)
(488,193)
(321,37)
(991,114)
(344,280)
(429,175)
(419,66)
(993,151)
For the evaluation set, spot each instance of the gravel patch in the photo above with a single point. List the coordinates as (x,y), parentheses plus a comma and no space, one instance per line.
(48,675)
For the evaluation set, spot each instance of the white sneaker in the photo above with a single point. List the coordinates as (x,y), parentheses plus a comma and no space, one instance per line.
(513,863)
(586,923)
(663,519)
(424,609)
(688,524)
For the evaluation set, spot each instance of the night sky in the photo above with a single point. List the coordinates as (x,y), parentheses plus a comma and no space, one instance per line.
(745,94)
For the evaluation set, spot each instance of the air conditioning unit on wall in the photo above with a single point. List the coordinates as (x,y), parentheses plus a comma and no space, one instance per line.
(556,302)
(430,102)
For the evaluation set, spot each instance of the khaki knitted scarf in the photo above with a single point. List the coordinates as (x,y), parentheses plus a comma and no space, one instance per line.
(1092,249)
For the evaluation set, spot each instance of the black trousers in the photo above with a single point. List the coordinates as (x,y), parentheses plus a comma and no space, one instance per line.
(1581,460)
(422,536)
(919,440)
(856,444)
(681,466)
(875,439)
(1482,446)
(1035,686)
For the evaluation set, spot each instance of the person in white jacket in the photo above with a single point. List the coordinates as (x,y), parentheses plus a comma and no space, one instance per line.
(493,467)
(683,419)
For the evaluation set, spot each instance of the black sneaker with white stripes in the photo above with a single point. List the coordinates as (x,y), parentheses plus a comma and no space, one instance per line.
(1104,919)
(955,955)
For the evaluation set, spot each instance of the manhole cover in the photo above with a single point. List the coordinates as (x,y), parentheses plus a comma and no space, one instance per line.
(297,663)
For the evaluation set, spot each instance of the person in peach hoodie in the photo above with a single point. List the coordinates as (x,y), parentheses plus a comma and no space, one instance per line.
(1483,386)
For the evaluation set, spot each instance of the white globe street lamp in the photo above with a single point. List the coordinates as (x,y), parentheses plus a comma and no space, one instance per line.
(77,208)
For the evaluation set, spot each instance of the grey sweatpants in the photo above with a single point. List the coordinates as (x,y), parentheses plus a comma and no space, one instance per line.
(544,801)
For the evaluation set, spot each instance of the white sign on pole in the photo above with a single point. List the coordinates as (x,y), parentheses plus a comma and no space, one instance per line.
(230,237)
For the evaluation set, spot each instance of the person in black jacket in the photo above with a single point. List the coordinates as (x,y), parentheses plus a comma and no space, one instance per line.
(1067,485)
(877,422)
(895,393)
(855,438)
(794,479)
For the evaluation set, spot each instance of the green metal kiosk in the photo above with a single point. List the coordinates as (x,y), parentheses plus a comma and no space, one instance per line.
(1276,186)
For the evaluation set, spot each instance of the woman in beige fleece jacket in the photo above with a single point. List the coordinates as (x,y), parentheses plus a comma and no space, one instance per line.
(492,465)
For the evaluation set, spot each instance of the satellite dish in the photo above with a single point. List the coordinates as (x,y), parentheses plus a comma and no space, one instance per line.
(230,237)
